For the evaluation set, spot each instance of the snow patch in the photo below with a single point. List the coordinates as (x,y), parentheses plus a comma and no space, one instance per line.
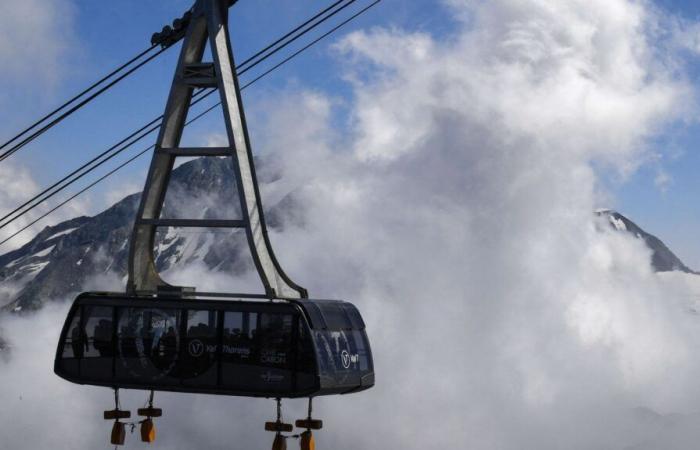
(44,252)
(619,224)
(168,240)
(61,233)
(37,267)
(14,262)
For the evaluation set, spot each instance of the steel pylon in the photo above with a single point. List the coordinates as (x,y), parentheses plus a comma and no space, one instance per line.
(209,24)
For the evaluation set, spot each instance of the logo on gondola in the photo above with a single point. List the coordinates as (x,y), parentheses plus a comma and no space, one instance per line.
(196,348)
(269,377)
(347,359)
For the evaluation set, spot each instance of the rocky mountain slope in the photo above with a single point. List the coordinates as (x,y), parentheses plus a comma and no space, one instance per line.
(61,259)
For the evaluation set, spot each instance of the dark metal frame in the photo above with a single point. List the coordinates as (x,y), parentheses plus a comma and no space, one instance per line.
(208,23)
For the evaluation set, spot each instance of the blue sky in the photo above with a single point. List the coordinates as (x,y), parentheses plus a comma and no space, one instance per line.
(104,34)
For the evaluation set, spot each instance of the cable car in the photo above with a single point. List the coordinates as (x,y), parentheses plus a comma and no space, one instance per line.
(243,346)
(159,337)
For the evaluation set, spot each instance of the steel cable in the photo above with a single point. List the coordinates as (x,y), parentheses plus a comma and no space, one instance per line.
(77,96)
(60,118)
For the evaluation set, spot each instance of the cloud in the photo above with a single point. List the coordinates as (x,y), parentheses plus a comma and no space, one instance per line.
(35,37)
(39,49)
(458,217)
(662,180)
(36,40)
(18,186)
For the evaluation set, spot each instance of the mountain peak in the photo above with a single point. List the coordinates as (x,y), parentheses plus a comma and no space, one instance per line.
(662,259)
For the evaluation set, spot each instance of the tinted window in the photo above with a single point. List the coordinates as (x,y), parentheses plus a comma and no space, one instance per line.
(274,340)
(147,343)
(306,361)
(258,352)
(240,329)
(334,315)
(98,330)
(97,361)
(74,346)
(198,358)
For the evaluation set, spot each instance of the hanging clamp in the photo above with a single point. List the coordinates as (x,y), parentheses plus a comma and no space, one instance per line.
(279,427)
(307,437)
(119,428)
(148,428)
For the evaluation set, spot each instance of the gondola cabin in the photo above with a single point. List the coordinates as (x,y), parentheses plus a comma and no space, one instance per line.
(245,347)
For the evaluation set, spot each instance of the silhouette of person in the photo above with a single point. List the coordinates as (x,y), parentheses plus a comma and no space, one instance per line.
(77,343)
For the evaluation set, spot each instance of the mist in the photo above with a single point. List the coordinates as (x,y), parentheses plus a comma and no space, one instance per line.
(456,211)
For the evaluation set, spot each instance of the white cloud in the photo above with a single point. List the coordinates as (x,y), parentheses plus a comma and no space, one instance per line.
(579,74)
(662,180)
(19,186)
(216,140)
(39,50)
(459,219)
(122,190)
(35,37)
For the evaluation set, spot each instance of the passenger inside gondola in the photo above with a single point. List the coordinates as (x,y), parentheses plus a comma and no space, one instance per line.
(198,363)
(77,343)
(103,337)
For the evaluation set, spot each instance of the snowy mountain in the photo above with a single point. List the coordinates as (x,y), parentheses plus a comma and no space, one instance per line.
(62,259)
(662,259)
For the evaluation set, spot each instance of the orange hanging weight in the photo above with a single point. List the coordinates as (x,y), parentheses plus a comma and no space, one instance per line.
(280,443)
(148,431)
(118,433)
(307,441)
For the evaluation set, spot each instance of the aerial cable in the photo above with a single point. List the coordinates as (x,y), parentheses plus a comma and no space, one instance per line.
(102,178)
(76,97)
(240,66)
(60,118)
(145,131)
(310,44)
(284,61)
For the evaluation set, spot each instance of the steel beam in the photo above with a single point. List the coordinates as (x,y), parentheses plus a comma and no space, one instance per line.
(196,151)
